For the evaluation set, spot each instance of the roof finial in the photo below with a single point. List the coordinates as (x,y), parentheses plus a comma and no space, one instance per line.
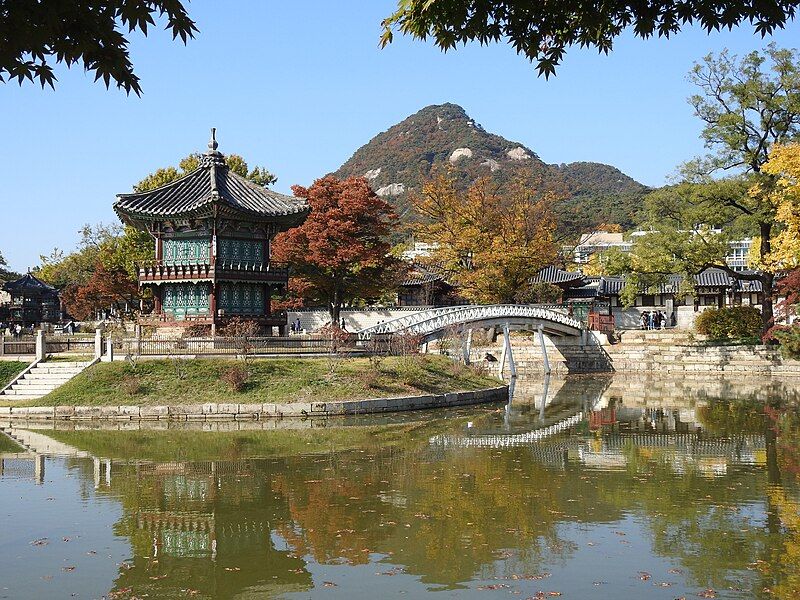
(212,144)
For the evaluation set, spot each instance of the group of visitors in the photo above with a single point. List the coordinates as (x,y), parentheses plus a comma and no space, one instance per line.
(294,326)
(654,319)
(15,331)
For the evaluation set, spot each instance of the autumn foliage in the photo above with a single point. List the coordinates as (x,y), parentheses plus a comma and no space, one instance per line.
(341,252)
(105,288)
(491,241)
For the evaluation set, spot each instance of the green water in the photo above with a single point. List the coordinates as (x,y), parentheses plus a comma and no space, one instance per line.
(622,488)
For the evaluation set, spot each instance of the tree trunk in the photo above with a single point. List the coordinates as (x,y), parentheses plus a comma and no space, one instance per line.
(767,316)
(767,313)
(335,307)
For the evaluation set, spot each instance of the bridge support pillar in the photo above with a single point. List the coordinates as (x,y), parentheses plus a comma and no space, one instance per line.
(544,396)
(38,468)
(544,350)
(467,346)
(96,472)
(507,354)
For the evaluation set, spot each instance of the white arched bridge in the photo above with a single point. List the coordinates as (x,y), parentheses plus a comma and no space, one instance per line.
(438,322)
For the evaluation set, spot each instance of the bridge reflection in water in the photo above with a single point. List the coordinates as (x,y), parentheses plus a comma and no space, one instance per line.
(266,513)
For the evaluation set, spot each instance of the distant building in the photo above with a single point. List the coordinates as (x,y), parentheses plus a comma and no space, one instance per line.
(420,250)
(596,242)
(213,230)
(31,302)
(426,285)
(713,288)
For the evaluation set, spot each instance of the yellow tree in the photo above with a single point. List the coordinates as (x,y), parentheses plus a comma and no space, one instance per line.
(784,164)
(490,241)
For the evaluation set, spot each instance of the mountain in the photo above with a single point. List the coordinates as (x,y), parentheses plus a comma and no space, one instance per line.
(398,160)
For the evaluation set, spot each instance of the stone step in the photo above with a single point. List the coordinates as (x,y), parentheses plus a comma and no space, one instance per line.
(64,363)
(38,383)
(30,389)
(67,372)
(21,397)
(46,376)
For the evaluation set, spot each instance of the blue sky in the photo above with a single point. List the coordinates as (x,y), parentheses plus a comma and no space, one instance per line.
(298,86)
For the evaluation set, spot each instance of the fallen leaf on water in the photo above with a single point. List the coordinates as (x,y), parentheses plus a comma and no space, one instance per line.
(232,569)
(69,569)
(328,584)
(493,586)
(156,577)
(675,572)
(40,542)
(644,575)
(709,593)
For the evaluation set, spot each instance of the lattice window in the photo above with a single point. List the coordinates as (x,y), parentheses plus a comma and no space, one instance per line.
(245,252)
(185,299)
(190,251)
(241,298)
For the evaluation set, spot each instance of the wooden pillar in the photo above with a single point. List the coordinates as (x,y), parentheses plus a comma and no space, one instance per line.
(212,306)
(159,248)
(157,306)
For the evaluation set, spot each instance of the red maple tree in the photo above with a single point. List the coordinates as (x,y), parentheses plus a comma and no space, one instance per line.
(105,289)
(341,252)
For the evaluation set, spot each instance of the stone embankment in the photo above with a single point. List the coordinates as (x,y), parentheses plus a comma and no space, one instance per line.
(641,351)
(251,412)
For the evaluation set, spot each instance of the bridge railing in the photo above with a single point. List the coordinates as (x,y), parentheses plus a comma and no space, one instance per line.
(432,320)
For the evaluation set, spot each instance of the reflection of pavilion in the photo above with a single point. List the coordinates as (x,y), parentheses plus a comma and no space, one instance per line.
(209,526)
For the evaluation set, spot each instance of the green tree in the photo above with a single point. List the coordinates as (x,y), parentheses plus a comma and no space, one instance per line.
(5,273)
(237,164)
(542,31)
(747,105)
(89,33)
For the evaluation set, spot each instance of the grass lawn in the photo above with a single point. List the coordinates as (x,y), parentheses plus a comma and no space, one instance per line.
(9,370)
(173,445)
(198,381)
(9,445)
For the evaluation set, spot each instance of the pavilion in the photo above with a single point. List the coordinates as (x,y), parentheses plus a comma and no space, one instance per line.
(32,301)
(212,230)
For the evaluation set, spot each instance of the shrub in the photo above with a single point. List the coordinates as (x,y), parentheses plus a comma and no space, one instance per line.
(789,338)
(131,385)
(370,378)
(236,377)
(238,327)
(197,331)
(730,323)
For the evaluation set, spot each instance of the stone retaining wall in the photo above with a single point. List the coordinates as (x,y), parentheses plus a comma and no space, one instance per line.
(252,412)
(641,351)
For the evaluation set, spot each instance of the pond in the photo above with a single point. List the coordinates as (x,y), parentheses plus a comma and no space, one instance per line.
(610,488)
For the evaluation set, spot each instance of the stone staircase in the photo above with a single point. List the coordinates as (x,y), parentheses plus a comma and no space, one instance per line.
(41,380)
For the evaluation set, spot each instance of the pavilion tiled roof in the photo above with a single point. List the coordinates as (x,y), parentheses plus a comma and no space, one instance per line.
(29,283)
(554,275)
(211,183)
(422,274)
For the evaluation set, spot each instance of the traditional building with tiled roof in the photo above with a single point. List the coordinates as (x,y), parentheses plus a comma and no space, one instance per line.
(212,231)
(426,285)
(32,301)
